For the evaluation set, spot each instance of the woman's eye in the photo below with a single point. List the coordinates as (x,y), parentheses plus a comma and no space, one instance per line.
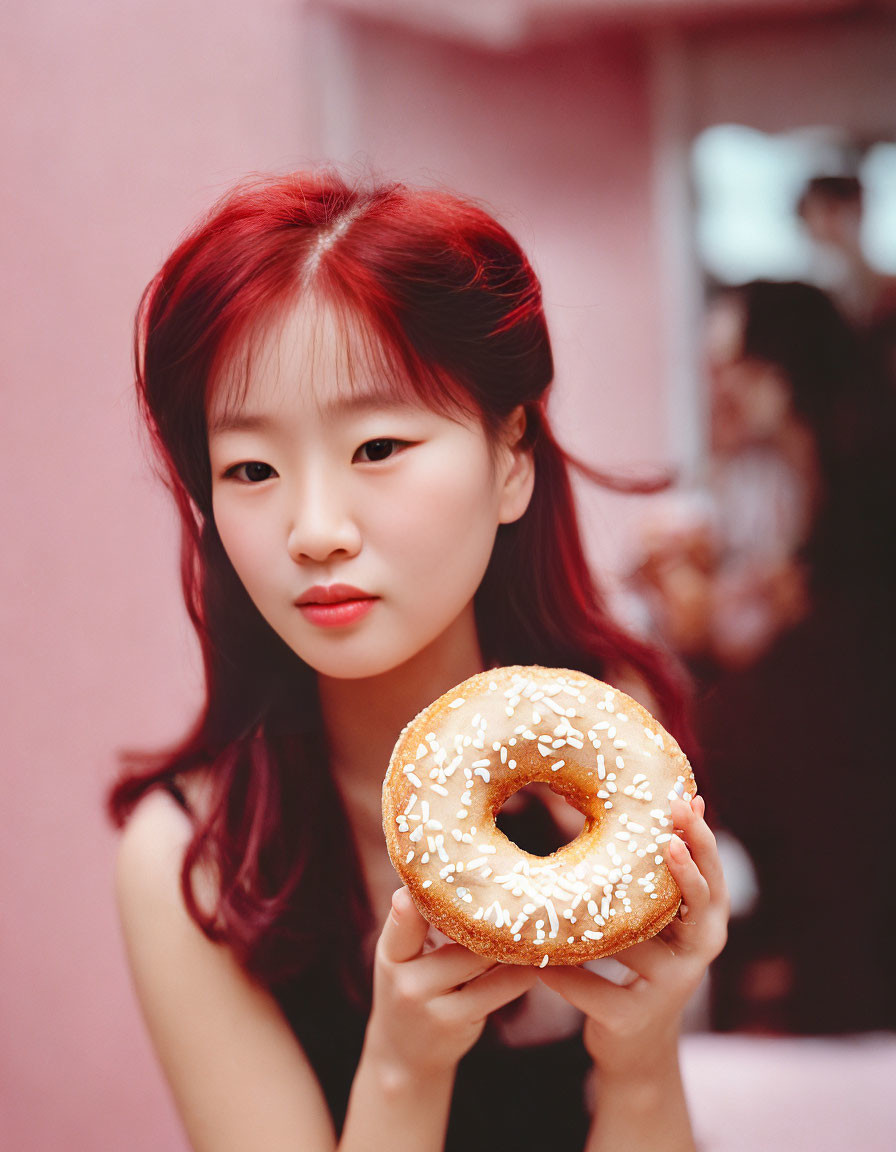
(375,450)
(252,472)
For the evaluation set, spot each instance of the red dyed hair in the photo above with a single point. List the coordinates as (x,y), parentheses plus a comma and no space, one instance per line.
(455,307)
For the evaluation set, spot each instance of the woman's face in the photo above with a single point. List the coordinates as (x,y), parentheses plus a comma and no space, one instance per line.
(750,400)
(359,521)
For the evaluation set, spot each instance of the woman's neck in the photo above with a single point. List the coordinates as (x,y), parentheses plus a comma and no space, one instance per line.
(363,718)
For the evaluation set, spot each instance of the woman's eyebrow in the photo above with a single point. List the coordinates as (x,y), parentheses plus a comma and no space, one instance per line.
(350,403)
(240,421)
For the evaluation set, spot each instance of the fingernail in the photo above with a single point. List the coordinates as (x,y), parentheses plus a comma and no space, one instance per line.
(677,847)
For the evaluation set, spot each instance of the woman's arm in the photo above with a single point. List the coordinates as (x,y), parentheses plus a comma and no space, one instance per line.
(632,1031)
(428,1011)
(239,1077)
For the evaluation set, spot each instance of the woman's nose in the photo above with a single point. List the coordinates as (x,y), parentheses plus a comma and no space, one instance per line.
(321,525)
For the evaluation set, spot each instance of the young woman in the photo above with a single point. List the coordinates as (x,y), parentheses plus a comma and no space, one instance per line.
(347,390)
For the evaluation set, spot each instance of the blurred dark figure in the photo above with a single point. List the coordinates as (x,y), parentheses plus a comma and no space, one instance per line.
(781,599)
(831,209)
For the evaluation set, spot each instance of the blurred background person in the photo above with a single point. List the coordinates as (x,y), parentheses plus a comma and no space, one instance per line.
(777,590)
(831,208)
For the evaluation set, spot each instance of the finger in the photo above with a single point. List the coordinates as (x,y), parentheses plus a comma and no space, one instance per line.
(695,894)
(450,966)
(494,989)
(585,990)
(404,931)
(701,842)
(650,959)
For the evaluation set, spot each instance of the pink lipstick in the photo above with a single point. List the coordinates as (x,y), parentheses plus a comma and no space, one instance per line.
(334,606)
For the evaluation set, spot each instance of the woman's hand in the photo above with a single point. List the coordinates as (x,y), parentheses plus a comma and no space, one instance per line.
(632,1029)
(429,1008)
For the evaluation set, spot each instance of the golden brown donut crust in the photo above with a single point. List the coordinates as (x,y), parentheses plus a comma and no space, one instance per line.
(456,763)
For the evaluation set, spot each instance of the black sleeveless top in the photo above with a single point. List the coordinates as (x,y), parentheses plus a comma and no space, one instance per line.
(504,1097)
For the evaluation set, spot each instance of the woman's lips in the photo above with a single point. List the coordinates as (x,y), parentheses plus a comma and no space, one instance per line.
(338,604)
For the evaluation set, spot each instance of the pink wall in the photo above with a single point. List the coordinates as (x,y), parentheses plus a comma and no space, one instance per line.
(120,120)
(557,140)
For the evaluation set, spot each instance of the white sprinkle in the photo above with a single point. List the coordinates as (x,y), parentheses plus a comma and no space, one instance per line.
(439,789)
(483,772)
(481,763)
(558,765)
(409,857)
(421,751)
(556,707)
(411,803)
(591,935)
(458,703)
(426,883)
(544,960)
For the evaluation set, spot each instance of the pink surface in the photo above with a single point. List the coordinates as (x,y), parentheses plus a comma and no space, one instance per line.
(557,141)
(749,1094)
(120,122)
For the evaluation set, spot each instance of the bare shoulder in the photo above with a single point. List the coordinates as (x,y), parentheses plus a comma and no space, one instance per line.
(239,1077)
(150,854)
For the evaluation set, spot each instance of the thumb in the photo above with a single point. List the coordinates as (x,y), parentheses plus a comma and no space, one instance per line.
(404,931)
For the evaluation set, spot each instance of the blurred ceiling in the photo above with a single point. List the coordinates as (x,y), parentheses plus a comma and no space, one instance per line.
(511,23)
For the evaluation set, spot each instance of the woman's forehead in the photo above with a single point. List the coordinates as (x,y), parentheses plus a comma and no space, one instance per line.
(335,358)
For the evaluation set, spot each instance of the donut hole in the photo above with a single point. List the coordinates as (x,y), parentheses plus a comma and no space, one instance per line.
(538,820)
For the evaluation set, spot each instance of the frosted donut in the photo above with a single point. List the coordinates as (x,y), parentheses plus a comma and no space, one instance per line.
(456,763)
